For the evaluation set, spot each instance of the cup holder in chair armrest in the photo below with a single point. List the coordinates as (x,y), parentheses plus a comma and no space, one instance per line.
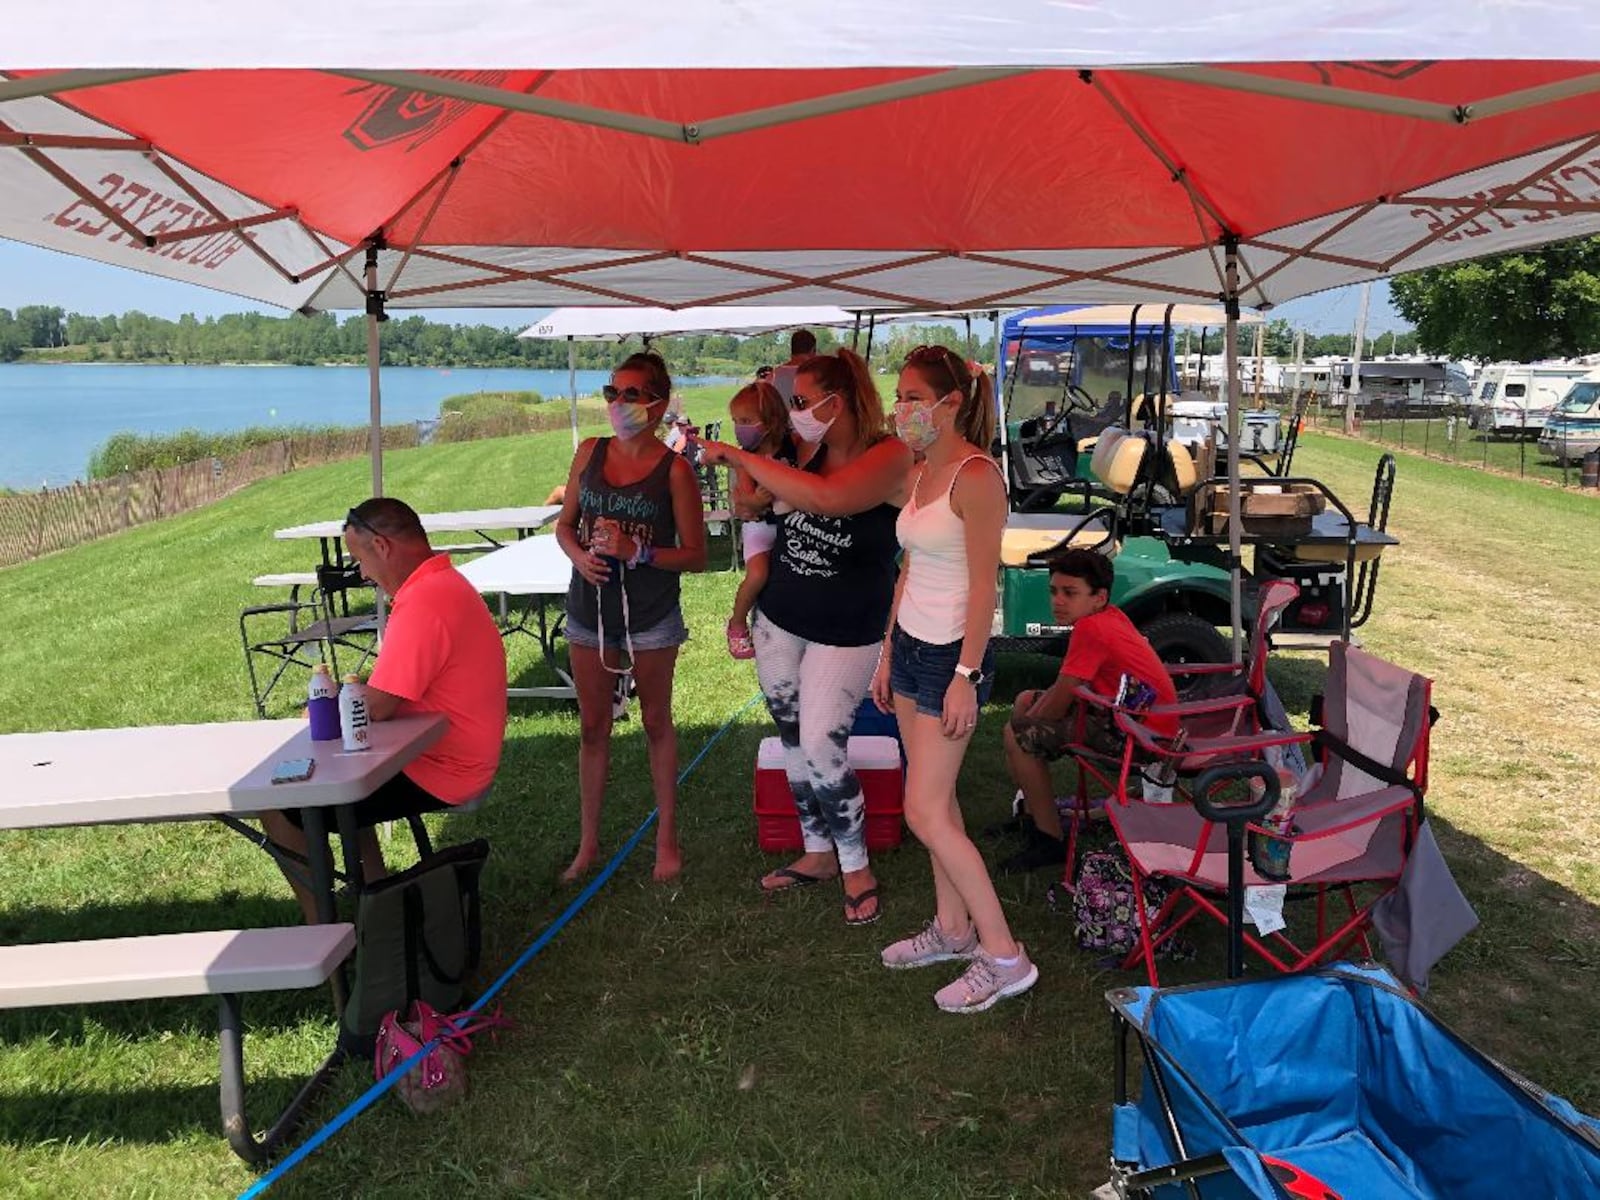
(1252,810)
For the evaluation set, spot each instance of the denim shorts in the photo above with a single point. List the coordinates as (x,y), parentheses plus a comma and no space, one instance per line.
(922,672)
(666,633)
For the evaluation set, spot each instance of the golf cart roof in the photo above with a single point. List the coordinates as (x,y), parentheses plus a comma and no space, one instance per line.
(1104,319)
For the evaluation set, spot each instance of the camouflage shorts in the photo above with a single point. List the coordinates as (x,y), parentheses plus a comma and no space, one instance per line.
(1051,740)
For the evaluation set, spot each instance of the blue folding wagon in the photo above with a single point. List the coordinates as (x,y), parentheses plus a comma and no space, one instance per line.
(1333,1085)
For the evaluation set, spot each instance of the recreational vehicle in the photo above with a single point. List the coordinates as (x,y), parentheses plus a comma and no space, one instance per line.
(1573,429)
(1516,398)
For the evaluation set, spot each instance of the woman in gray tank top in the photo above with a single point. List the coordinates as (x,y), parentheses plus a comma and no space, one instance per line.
(631,522)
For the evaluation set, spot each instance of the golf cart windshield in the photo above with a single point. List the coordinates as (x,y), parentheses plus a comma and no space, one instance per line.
(1046,372)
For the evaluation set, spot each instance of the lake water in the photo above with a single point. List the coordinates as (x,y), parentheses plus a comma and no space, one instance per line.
(52,417)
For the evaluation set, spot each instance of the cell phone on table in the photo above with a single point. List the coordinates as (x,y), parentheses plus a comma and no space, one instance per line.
(293,770)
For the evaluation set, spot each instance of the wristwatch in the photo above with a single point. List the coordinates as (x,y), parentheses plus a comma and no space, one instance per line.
(973,675)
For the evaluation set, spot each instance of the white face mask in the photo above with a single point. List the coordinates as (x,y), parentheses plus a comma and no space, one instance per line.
(628,419)
(809,428)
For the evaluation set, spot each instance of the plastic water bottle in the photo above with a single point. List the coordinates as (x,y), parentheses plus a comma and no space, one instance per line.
(323,705)
(354,724)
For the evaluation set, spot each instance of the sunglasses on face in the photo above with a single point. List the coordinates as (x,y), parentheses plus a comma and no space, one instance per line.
(798,402)
(629,395)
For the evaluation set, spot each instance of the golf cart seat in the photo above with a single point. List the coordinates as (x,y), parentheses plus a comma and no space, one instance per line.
(1029,535)
(1120,459)
(1118,455)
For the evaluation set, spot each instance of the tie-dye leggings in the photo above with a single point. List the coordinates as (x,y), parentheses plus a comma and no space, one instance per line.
(813,692)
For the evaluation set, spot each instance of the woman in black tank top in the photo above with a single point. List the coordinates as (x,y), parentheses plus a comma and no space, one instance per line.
(631,522)
(825,607)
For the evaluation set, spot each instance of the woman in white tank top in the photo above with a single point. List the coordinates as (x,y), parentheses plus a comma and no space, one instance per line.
(936,668)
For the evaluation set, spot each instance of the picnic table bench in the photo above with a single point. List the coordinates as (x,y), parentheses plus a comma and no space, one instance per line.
(226,963)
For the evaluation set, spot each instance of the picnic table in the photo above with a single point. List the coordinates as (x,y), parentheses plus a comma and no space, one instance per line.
(192,772)
(525,520)
(537,570)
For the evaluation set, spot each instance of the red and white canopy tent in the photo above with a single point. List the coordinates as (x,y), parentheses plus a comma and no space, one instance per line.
(914,154)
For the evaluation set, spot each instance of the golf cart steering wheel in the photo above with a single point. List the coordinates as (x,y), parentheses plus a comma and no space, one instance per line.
(1074,399)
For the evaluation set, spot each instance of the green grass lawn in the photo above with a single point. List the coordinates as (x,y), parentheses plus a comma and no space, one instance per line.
(699,1038)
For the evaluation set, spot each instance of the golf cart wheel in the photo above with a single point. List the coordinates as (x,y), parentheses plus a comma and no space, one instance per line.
(1181,638)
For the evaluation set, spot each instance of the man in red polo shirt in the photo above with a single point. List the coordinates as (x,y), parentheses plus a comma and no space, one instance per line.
(441,652)
(1105,649)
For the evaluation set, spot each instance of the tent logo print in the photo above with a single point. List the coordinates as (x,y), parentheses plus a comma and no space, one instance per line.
(402,115)
(1391,69)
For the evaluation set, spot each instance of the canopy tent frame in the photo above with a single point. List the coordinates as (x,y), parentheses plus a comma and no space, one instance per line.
(1227,257)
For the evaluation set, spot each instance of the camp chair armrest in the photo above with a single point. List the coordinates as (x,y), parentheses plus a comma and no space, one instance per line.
(1144,739)
(1204,668)
(1190,708)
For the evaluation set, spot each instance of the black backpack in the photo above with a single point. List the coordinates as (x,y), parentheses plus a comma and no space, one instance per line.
(418,937)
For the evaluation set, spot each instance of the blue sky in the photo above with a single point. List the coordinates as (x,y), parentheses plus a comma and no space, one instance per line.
(32,276)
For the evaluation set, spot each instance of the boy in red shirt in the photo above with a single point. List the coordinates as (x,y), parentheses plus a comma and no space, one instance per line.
(1103,649)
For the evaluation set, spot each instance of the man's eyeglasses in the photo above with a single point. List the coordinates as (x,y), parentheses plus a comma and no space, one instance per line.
(356,519)
(631,395)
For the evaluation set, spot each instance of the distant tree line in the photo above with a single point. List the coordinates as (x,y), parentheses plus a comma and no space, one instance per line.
(45,333)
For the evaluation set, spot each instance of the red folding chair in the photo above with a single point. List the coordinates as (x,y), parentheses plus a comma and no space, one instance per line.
(1226,702)
(1354,826)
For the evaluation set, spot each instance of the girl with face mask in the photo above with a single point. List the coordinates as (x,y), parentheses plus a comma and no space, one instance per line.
(937,667)
(761,426)
(631,522)
(824,609)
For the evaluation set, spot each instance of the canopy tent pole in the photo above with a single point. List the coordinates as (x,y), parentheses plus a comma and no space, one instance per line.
(572,386)
(872,323)
(375,314)
(1133,336)
(1230,350)
(855,334)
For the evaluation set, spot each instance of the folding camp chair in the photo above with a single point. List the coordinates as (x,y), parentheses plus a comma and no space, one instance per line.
(1353,826)
(1221,700)
(306,631)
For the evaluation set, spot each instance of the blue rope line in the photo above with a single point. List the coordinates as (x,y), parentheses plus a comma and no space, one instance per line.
(369,1097)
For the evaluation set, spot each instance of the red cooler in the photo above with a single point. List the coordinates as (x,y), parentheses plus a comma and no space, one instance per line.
(876,762)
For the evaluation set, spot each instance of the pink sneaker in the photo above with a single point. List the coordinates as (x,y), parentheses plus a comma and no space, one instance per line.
(739,643)
(986,983)
(930,946)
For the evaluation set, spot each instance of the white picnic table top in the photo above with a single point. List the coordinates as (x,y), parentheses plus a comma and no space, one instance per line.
(535,566)
(533,516)
(178,772)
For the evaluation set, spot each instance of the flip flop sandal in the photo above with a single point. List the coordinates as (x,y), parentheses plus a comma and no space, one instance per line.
(740,645)
(797,879)
(854,904)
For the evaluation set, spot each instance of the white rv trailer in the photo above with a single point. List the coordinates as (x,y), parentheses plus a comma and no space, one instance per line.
(1516,398)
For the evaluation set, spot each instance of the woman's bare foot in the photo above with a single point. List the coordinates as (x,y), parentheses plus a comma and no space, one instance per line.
(808,868)
(581,865)
(860,897)
(669,860)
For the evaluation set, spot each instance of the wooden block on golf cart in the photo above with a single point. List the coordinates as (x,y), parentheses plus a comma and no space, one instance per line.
(1286,509)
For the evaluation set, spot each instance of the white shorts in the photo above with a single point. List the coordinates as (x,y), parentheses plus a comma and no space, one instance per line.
(757,537)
